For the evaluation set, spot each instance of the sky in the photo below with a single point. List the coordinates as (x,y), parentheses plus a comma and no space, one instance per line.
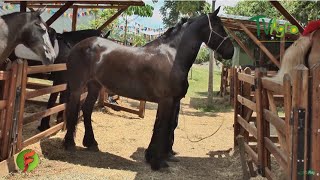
(156,20)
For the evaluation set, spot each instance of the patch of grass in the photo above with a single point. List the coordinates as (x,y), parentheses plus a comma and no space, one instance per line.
(198,91)
(198,84)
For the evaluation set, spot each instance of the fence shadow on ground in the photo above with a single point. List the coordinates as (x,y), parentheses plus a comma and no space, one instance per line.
(187,168)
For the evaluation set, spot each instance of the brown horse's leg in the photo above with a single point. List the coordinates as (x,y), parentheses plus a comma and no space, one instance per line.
(87,108)
(157,150)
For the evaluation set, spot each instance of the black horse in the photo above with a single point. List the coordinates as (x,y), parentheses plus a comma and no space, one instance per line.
(64,42)
(157,72)
(25,28)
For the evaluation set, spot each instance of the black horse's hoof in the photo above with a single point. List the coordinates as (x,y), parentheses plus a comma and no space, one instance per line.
(157,164)
(172,152)
(173,159)
(43,128)
(89,142)
(69,145)
(93,148)
(147,155)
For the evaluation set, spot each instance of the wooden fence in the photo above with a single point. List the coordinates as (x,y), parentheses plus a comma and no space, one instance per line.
(256,116)
(16,90)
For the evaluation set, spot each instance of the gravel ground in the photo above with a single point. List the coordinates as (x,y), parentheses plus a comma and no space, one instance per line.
(122,139)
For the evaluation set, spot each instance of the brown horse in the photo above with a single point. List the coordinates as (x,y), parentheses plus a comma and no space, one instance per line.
(156,72)
(305,51)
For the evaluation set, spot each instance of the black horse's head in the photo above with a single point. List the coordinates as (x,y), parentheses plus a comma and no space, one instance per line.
(215,36)
(35,36)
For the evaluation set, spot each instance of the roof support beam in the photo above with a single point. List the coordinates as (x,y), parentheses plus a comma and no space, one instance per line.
(258,43)
(79,6)
(56,15)
(117,14)
(286,14)
(282,46)
(74,18)
(240,43)
(23,6)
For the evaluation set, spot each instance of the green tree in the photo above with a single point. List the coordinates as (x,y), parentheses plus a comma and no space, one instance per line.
(143,11)
(172,11)
(303,11)
(101,16)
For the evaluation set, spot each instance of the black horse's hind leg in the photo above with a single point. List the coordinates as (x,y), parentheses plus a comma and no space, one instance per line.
(72,113)
(87,108)
(157,150)
(45,122)
(62,99)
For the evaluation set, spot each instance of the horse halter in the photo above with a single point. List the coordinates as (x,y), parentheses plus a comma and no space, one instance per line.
(212,31)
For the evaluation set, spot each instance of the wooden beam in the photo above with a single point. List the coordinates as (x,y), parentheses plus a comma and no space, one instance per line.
(262,47)
(282,46)
(23,6)
(112,2)
(240,43)
(287,15)
(79,6)
(74,18)
(56,15)
(112,18)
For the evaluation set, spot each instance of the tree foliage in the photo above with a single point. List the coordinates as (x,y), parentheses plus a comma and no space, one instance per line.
(143,11)
(101,16)
(171,11)
(303,11)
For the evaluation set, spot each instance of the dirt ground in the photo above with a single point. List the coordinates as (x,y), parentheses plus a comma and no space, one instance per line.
(122,139)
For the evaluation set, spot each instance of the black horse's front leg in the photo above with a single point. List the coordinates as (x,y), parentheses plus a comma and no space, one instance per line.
(173,126)
(157,151)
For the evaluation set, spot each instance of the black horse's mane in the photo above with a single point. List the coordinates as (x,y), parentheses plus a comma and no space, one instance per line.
(171,32)
(175,29)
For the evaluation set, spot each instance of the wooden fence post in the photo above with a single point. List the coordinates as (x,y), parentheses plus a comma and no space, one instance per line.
(6,134)
(315,122)
(245,111)
(142,108)
(221,81)
(260,123)
(20,110)
(102,97)
(300,122)
(241,143)
(4,96)
(287,108)
(236,105)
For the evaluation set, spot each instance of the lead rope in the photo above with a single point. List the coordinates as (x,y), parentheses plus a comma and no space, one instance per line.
(199,139)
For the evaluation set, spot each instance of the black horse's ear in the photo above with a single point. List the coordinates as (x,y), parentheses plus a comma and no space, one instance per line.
(107,34)
(215,13)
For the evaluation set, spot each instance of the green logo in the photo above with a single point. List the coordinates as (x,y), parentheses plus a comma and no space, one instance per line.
(274,27)
(27,160)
